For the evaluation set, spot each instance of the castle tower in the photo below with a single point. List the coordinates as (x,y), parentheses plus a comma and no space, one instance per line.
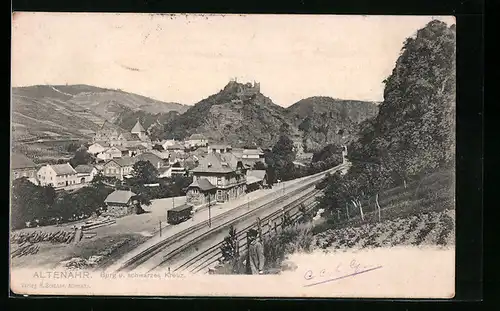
(256,86)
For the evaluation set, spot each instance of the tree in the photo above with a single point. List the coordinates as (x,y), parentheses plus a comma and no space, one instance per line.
(281,157)
(81,157)
(259,166)
(416,118)
(327,152)
(413,133)
(144,194)
(72,147)
(284,149)
(230,247)
(30,202)
(270,175)
(144,173)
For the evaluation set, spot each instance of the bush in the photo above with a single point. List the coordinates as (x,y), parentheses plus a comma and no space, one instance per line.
(296,238)
(31,204)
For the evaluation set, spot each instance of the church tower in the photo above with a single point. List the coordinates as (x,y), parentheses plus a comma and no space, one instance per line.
(139,130)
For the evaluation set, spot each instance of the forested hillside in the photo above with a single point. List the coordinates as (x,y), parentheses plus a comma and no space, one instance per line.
(414,131)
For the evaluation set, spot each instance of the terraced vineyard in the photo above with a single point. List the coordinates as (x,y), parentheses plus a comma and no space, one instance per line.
(433,228)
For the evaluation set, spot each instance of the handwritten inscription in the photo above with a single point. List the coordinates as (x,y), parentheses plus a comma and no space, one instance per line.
(337,272)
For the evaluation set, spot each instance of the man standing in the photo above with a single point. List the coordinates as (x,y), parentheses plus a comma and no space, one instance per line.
(255,253)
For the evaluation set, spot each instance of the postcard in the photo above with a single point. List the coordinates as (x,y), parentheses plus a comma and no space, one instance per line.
(233,155)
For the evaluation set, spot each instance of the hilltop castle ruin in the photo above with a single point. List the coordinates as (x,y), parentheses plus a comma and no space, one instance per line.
(247,90)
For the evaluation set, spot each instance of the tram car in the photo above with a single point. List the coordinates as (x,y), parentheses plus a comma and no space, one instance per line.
(179,214)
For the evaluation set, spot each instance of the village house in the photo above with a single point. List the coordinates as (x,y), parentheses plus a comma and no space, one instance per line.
(175,148)
(197,140)
(22,166)
(169,171)
(256,179)
(98,147)
(106,133)
(191,162)
(238,152)
(218,148)
(119,168)
(126,139)
(164,155)
(124,150)
(120,203)
(169,142)
(136,150)
(177,157)
(252,154)
(221,173)
(200,152)
(57,175)
(155,160)
(85,173)
(110,153)
(249,157)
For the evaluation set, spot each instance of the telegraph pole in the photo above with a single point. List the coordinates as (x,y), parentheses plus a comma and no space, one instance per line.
(209,213)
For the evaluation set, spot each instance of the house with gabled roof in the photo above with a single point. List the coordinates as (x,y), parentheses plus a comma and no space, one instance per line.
(152,158)
(197,140)
(221,170)
(164,155)
(22,166)
(107,132)
(110,153)
(169,171)
(98,147)
(120,202)
(218,148)
(86,173)
(256,153)
(177,147)
(136,149)
(256,179)
(119,168)
(57,175)
(169,142)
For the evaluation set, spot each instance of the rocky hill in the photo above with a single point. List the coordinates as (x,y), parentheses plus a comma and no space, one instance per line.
(326,120)
(55,111)
(238,115)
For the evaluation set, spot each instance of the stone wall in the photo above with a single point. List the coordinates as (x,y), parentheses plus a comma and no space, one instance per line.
(119,211)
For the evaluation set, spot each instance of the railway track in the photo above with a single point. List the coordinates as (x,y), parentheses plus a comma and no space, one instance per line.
(153,250)
(213,254)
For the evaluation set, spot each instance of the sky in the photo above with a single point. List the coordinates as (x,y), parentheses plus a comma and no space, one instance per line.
(185,58)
